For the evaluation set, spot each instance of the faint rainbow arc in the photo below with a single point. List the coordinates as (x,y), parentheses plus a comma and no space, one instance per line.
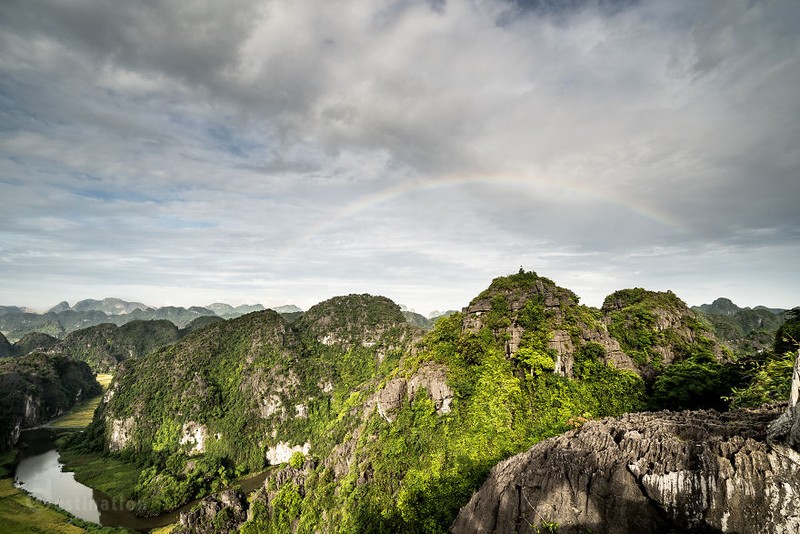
(418,186)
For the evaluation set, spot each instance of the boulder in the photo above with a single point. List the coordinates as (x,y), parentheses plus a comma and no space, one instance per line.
(699,471)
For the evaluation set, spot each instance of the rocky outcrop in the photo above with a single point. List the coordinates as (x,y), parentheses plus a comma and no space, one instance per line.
(651,472)
(193,438)
(228,510)
(786,428)
(430,377)
(282,452)
(222,512)
(120,433)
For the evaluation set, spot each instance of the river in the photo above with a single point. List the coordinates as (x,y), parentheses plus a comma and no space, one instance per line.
(40,473)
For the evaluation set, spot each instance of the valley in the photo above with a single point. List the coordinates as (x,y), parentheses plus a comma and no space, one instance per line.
(352,417)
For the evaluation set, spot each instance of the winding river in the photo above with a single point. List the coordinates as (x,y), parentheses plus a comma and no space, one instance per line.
(40,473)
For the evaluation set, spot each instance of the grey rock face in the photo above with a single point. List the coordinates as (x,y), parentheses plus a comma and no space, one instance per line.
(203,517)
(430,377)
(652,472)
(786,428)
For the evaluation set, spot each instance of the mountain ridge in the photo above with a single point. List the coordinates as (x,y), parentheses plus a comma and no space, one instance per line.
(352,381)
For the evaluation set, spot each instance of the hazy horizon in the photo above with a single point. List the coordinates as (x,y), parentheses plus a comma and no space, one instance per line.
(399,302)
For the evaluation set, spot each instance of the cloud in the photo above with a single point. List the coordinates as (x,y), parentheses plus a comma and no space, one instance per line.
(398,145)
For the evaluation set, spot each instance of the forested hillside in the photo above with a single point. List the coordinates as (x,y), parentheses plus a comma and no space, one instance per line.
(37,388)
(385,427)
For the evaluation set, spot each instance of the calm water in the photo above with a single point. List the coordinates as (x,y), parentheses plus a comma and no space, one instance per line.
(39,473)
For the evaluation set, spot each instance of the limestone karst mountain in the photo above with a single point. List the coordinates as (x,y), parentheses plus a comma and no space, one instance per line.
(745,331)
(226,311)
(109,306)
(34,342)
(387,428)
(62,319)
(37,387)
(104,346)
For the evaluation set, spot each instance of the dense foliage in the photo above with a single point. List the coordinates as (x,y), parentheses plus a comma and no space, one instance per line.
(37,387)
(746,331)
(105,345)
(523,362)
(251,383)
(34,342)
(768,375)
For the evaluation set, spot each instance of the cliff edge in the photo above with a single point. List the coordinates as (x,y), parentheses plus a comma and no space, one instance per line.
(694,471)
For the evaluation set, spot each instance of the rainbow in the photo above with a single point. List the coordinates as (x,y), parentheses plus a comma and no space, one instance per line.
(531,186)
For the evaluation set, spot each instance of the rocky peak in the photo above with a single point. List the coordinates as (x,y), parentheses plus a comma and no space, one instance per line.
(356,320)
(517,290)
(60,307)
(721,306)
(656,328)
(525,304)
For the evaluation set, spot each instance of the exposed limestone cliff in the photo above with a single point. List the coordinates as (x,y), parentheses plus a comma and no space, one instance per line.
(516,306)
(786,428)
(651,472)
(431,377)
(209,518)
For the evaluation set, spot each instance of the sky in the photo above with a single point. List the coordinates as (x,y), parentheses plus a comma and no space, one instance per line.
(287,151)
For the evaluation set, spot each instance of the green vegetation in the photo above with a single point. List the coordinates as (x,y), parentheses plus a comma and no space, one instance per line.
(768,376)
(695,383)
(769,382)
(238,381)
(649,325)
(38,387)
(787,338)
(82,414)
(413,474)
(34,342)
(8,462)
(105,345)
(22,514)
(524,362)
(110,475)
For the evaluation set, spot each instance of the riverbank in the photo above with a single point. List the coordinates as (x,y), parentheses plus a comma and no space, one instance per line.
(115,478)
(22,514)
(19,512)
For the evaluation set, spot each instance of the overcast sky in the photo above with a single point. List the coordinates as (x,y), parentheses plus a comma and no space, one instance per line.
(288,151)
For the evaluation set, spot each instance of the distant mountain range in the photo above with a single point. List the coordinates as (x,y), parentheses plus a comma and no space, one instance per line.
(62,319)
(744,330)
(725,306)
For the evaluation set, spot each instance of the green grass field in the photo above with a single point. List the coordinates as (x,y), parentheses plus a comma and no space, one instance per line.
(112,477)
(21,514)
(81,415)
